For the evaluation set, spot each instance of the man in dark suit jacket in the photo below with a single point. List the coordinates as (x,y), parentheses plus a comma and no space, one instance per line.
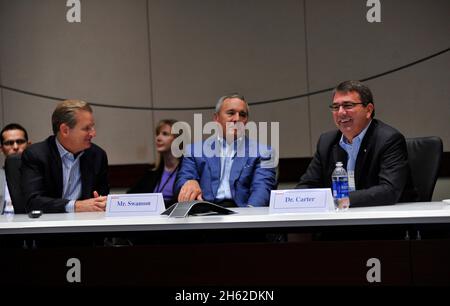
(373,150)
(66,172)
(13,184)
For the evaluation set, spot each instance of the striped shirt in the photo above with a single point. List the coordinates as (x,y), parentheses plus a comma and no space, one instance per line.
(71,176)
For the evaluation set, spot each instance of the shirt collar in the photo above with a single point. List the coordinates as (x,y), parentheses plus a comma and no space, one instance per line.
(230,149)
(64,153)
(358,139)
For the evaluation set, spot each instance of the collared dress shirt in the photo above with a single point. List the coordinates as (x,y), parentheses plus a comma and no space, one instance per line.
(71,176)
(352,150)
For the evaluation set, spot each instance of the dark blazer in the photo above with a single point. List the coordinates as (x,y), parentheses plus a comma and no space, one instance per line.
(42,176)
(381,170)
(2,190)
(148,182)
(12,170)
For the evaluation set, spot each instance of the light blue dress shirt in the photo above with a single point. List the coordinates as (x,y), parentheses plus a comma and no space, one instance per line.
(227,155)
(71,176)
(352,149)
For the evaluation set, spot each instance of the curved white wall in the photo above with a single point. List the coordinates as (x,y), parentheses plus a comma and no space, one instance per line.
(182,53)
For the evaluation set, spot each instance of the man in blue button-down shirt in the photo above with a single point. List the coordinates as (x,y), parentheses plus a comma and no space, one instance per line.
(66,172)
(233,176)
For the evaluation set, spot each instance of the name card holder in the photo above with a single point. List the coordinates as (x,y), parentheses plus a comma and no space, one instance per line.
(301,200)
(142,204)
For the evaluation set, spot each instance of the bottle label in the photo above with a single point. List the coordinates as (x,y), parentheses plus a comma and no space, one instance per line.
(351,181)
(340,192)
(340,187)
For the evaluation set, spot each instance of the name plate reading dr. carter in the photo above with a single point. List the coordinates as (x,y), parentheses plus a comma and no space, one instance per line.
(301,200)
(135,204)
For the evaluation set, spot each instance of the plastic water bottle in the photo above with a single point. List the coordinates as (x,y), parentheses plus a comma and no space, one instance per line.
(340,187)
(9,210)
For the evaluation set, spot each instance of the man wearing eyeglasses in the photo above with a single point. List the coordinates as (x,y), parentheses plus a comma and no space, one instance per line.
(66,172)
(373,152)
(14,139)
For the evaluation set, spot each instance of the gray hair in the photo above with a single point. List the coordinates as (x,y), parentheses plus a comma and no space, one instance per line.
(230,96)
(65,113)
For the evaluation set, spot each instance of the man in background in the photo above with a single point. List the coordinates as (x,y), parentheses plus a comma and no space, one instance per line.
(13,140)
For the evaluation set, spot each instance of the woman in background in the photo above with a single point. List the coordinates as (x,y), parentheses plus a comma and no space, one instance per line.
(162,177)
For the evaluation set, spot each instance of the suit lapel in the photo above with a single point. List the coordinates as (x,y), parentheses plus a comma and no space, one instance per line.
(58,173)
(236,168)
(339,154)
(364,152)
(239,162)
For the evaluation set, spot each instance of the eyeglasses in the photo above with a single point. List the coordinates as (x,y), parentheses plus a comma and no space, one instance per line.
(11,142)
(346,105)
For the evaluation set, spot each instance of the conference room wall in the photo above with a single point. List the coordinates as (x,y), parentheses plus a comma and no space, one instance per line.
(126,135)
(420,106)
(343,45)
(188,53)
(24,110)
(103,59)
(293,117)
(203,49)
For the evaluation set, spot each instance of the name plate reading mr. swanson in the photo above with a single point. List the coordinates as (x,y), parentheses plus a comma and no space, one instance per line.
(135,204)
(301,200)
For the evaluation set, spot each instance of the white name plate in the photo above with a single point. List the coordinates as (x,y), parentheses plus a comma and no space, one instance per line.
(135,204)
(301,200)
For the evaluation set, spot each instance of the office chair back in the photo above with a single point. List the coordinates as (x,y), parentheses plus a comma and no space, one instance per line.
(13,175)
(424,157)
